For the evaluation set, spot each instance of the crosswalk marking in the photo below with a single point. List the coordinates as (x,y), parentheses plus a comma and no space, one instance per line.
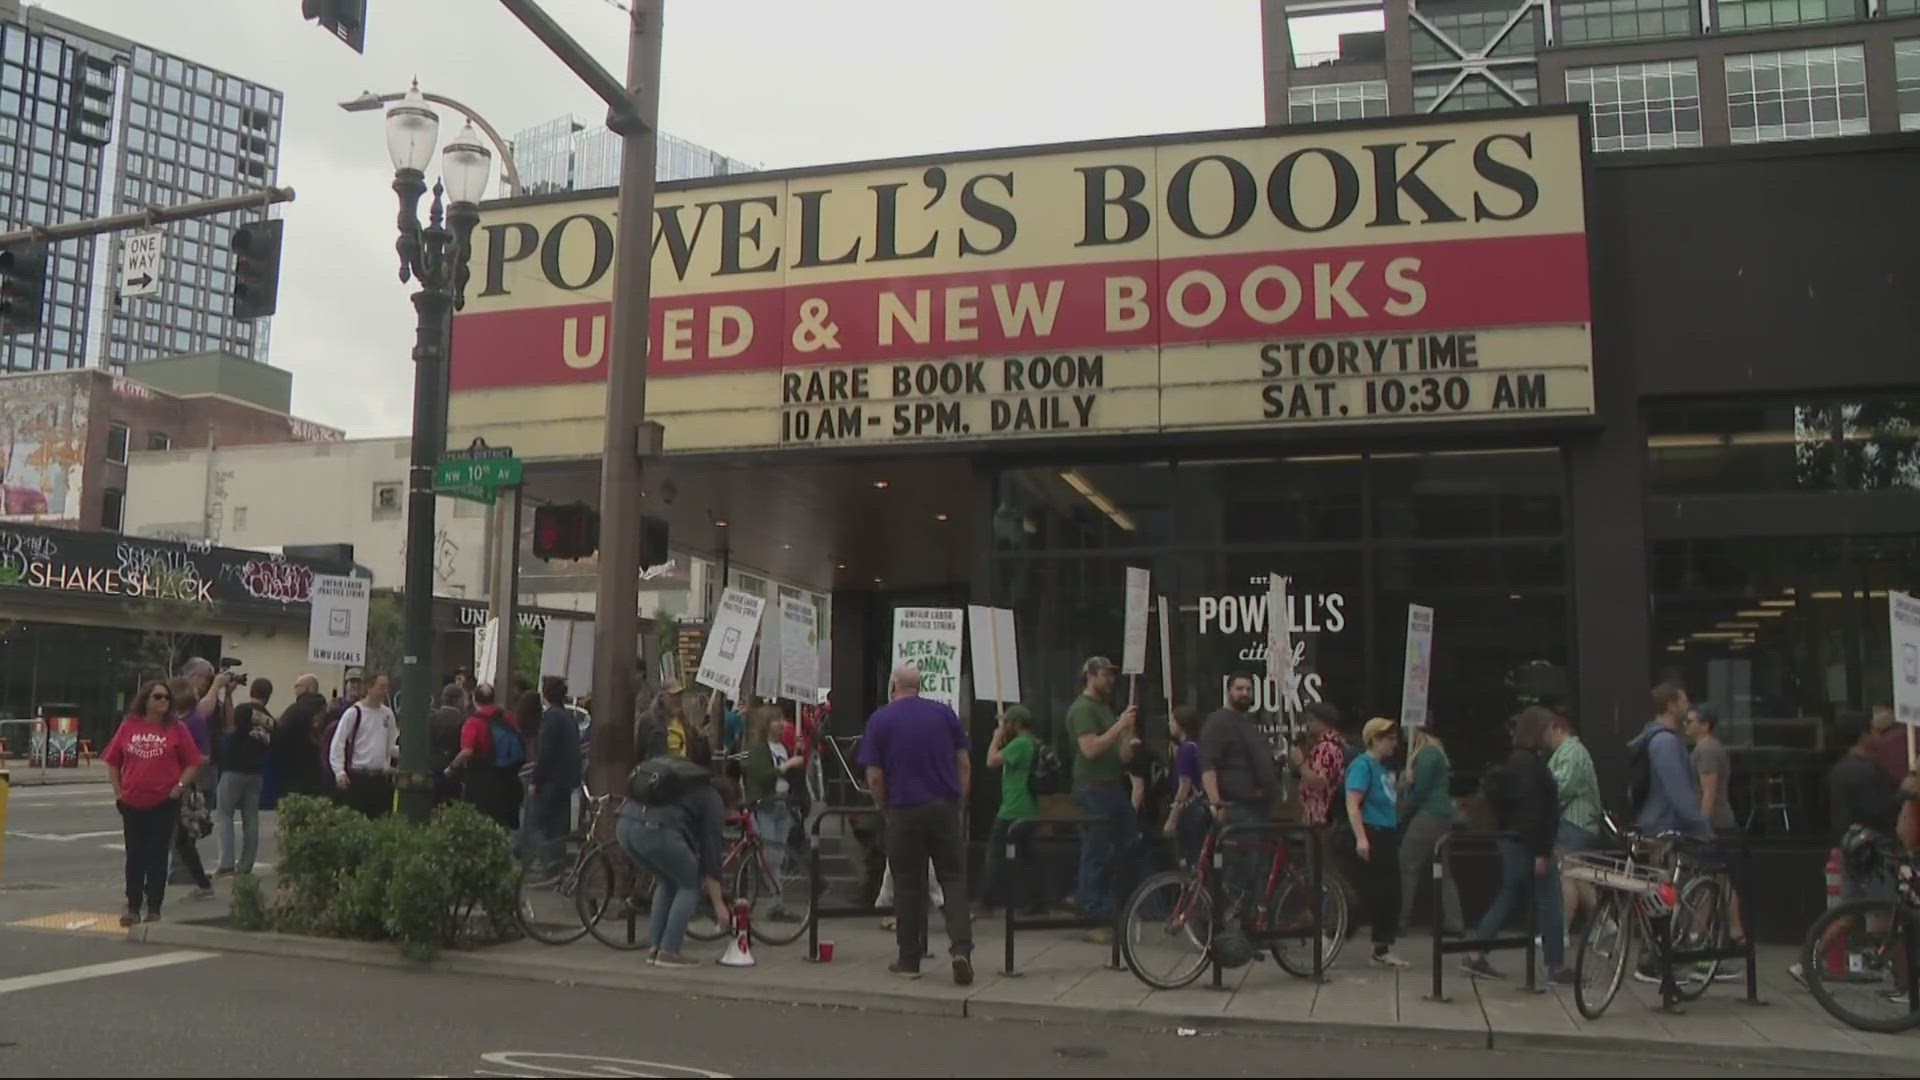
(100,971)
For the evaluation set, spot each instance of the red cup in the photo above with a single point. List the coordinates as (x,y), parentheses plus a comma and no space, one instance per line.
(826,952)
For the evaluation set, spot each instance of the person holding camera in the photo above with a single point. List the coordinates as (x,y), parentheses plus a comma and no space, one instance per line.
(243,765)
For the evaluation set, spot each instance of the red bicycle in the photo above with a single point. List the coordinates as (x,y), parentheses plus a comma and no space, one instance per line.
(778,899)
(1170,931)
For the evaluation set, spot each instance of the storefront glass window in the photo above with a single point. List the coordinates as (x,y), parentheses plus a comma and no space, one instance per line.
(1819,446)
(97,669)
(1476,536)
(1082,507)
(1775,636)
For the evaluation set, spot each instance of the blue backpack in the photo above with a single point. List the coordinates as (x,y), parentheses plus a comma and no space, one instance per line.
(509,749)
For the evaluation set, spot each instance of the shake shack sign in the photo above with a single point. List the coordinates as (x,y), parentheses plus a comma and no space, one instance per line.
(109,566)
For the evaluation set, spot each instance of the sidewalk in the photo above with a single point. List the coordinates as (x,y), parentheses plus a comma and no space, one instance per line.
(1062,979)
(25,776)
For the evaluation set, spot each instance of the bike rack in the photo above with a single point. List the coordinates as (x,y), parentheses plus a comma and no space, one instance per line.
(1015,832)
(1466,945)
(1669,956)
(816,888)
(1314,837)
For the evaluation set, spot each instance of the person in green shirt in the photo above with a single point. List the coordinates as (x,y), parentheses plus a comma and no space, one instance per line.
(1100,792)
(1580,810)
(1428,784)
(1012,752)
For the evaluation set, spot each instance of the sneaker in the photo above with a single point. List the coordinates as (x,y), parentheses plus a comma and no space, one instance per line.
(1650,976)
(962,970)
(1799,974)
(225,871)
(1388,960)
(903,971)
(204,892)
(1481,968)
(1100,935)
(1897,996)
(1731,971)
(153,915)
(1563,977)
(674,961)
(653,956)
(782,916)
(129,916)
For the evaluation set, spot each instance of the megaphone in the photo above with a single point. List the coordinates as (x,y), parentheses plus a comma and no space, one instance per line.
(740,950)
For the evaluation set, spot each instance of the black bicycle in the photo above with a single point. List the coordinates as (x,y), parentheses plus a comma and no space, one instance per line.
(1860,958)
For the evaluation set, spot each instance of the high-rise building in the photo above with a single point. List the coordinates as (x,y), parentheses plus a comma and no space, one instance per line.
(1657,74)
(565,155)
(93,124)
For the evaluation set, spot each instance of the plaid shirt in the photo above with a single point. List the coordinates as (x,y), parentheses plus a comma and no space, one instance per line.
(1326,760)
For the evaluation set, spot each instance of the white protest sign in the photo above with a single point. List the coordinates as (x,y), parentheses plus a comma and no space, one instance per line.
(486,651)
(1419,668)
(996,655)
(337,622)
(567,651)
(1903,619)
(1279,630)
(799,652)
(766,661)
(729,640)
(1166,653)
(1133,647)
(929,639)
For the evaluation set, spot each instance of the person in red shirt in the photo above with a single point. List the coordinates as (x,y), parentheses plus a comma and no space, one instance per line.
(1321,764)
(150,763)
(491,774)
(1890,744)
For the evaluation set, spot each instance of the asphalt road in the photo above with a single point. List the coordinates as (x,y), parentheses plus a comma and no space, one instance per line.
(67,836)
(202,1014)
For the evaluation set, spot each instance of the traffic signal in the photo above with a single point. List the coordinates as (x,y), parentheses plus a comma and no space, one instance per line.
(653,540)
(256,268)
(344,19)
(565,532)
(23,288)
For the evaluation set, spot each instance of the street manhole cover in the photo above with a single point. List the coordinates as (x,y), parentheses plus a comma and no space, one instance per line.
(1080,1053)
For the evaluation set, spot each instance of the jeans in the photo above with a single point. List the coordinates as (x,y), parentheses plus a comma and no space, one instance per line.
(369,793)
(147,834)
(1106,849)
(773,820)
(1380,885)
(1516,879)
(544,832)
(1190,830)
(240,792)
(676,878)
(915,835)
(1249,855)
(1424,834)
(1009,881)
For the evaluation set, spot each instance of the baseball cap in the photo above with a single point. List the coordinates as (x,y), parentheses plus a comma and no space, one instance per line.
(1097,664)
(1375,728)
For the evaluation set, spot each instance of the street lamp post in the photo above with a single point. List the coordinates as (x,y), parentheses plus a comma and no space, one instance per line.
(435,256)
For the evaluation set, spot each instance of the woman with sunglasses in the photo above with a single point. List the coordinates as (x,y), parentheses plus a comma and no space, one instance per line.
(150,763)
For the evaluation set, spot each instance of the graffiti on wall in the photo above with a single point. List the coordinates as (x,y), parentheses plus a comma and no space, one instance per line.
(43,448)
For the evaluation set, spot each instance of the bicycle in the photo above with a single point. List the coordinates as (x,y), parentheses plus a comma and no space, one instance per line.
(1659,893)
(584,884)
(1190,926)
(754,878)
(1865,953)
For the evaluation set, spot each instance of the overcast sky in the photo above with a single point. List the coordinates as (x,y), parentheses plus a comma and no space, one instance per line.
(775,82)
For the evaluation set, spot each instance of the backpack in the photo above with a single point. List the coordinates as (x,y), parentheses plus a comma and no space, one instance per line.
(326,740)
(509,747)
(661,781)
(1049,774)
(1640,770)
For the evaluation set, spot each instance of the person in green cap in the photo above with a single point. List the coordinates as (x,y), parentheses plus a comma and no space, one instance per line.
(1012,752)
(1102,743)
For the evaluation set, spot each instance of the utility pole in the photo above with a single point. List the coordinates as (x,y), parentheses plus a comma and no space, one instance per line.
(633,112)
(147,218)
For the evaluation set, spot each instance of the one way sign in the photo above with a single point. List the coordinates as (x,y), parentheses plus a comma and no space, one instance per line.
(140,263)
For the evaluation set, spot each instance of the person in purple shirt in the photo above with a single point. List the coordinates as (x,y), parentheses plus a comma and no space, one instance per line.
(918,771)
(1190,817)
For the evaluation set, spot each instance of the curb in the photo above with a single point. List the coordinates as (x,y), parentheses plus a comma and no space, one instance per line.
(380,954)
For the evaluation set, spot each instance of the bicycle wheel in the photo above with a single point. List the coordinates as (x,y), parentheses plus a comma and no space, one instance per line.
(1872,987)
(544,901)
(1291,905)
(1699,922)
(1167,930)
(778,909)
(1600,966)
(615,899)
(702,926)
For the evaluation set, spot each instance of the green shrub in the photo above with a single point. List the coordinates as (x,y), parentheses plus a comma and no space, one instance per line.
(423,887)
(249,909)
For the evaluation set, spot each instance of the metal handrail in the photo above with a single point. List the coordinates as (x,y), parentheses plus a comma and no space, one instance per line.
(1015,832)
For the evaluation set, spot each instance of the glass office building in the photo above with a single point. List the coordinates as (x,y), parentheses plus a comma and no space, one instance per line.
(566,155)
(175,132)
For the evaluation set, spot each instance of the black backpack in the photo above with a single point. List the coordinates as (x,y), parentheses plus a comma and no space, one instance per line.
(1640,769)
(661,781)
(1049,774)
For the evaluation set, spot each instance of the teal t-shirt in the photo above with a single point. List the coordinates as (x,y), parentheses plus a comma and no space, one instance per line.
(1375,781)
